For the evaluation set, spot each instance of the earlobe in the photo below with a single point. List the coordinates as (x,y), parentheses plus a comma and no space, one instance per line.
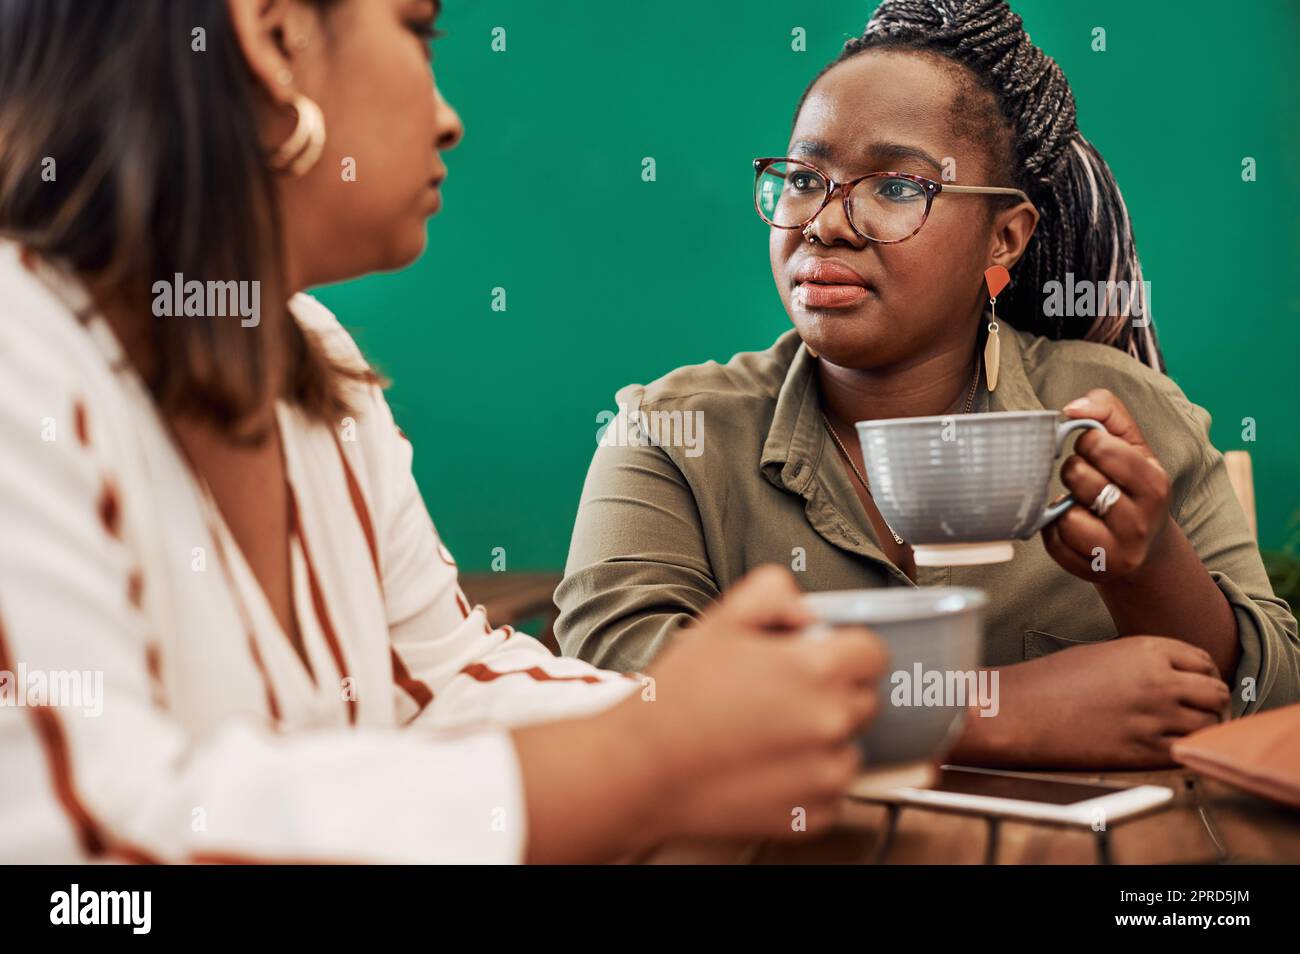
(270,36)
(259,26)
(1015,229)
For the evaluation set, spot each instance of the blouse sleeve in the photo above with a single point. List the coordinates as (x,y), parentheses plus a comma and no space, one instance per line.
(452,666)
(455,666)
(115,775)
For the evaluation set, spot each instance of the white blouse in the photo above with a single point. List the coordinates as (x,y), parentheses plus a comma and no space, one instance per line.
(209,738)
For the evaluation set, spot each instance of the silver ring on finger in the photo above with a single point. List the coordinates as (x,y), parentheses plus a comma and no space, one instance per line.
(1108,497)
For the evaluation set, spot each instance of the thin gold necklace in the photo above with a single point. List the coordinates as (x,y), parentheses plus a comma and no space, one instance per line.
(970,403)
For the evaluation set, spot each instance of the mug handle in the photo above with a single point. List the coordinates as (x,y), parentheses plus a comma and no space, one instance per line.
(1065,429)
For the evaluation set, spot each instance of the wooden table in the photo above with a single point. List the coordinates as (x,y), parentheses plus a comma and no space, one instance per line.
(1208,822)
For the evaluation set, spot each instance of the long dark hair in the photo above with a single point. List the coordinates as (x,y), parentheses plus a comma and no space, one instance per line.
(159,170)
(1084,227)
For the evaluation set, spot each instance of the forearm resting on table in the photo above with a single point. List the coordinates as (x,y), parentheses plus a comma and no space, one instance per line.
(1005,740)
(1172,594)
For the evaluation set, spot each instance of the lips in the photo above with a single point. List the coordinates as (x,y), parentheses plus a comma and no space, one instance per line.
(826,283)
(435,193)
(827,271)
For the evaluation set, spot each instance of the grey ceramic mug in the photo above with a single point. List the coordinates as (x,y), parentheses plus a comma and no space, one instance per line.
(959,488)
(935,641)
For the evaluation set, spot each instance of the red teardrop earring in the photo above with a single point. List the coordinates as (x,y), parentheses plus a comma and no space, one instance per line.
(996,278)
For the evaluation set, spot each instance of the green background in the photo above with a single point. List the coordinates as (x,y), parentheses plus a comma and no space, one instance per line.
(601,269)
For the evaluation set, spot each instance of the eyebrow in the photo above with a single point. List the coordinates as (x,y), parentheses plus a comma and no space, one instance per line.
(812,148)
(888,151)
(881,152)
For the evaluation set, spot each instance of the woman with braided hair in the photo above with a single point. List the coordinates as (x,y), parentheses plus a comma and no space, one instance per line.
(941,144)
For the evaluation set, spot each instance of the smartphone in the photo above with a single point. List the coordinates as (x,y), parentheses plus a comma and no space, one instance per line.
(1031,796)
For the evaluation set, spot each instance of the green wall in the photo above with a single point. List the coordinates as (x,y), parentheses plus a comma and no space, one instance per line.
(545,199)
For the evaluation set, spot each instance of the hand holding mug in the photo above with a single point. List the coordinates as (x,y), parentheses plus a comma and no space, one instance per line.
(751,723)
(1122,490)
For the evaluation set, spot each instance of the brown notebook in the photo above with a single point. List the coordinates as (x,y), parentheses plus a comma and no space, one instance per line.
(1259,753)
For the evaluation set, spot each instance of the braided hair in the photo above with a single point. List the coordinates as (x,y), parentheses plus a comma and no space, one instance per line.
(1084,227)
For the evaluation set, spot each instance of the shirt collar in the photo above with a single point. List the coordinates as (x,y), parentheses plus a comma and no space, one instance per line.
(794,436)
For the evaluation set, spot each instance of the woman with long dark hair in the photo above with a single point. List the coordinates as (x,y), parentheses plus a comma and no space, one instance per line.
(939,145)
(226,620)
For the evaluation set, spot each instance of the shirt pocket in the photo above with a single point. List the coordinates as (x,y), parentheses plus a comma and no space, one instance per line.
(1039,643)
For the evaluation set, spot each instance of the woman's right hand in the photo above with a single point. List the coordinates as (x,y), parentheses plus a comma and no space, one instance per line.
(1117,704)
(750,724)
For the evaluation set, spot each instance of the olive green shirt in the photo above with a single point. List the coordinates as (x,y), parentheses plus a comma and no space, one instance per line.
(663,528)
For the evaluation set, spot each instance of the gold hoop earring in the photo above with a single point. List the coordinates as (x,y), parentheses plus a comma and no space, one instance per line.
(305,144)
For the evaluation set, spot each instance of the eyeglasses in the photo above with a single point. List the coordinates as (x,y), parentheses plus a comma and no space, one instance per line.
(881,207)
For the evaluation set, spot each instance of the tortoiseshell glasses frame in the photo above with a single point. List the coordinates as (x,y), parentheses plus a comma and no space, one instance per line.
(929,187)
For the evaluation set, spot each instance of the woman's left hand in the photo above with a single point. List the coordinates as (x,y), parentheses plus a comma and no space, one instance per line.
(1109,548)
